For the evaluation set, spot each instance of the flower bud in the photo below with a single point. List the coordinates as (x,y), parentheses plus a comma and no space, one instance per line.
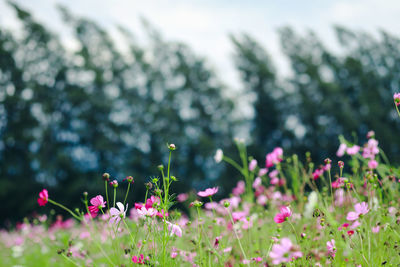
(227,204)
(341,164)
(172,147)
(106,176)
(130,179)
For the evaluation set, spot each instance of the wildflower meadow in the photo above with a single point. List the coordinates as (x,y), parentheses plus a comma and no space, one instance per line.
(283,212)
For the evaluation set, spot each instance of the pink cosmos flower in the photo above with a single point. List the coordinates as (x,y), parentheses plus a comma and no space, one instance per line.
(274,157)
(339,182)
(174,229)
(353,150)
(330,246)
(375,229)
(372,164)
(341,150)
(143,212)
(284,252)
(285,212)
(117,214)
(239,189)
(252,165)
(150,201)
(138,260)
(360,209)
(97,202)
(182,197)
(257,182)
(262,171)
(396,98)
(43,197)
(208,192)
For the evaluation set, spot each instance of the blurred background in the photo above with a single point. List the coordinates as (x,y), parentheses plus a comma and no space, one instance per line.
(88,87)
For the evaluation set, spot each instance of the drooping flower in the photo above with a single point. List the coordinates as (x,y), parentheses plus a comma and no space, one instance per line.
(284,213)
(360,209)
(330,246)
(97,202)
(284,252)
(208,192)
(174,229)
(118,214)
(219,155)
(43,197)
(138,260)
(396,98)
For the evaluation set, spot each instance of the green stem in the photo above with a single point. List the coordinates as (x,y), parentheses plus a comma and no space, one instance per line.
(294,231)
(129,231)
(68,259)
(115,195)
(330,186)
(105,184)
(398,112)
(233,163)
(127,191)
(65,208)
(237,237)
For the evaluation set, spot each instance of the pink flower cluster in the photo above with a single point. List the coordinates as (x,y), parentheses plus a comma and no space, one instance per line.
(360,209)
(274,157)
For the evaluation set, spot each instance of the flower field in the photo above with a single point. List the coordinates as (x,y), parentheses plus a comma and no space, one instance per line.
(283,212)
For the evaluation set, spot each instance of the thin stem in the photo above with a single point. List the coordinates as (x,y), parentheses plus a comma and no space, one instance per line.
(237,237)
(105,184)
(65,208)
(127,191)
(398,112)
(330,186)
(129,231)
(295,232)
(115,195)
(68,259)
(233,163)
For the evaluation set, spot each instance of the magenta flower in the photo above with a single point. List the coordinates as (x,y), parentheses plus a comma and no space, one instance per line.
(117,214)
(98,203)
(283,214)
(138,260)
(396,98)
(330,246)
(208,192)
(182,197)
(317,173)
(43,197)
(274,157)
(360,209)
(284,252)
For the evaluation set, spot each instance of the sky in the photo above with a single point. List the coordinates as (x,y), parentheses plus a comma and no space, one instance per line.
(205,25)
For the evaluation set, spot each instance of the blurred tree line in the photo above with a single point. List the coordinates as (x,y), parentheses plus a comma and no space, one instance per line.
(68,116)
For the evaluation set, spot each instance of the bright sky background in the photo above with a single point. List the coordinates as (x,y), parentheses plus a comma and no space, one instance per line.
(205,24)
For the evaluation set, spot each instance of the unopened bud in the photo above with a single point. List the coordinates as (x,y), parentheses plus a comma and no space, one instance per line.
(227,204)
(172,147)
(106,176)
(341,164)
